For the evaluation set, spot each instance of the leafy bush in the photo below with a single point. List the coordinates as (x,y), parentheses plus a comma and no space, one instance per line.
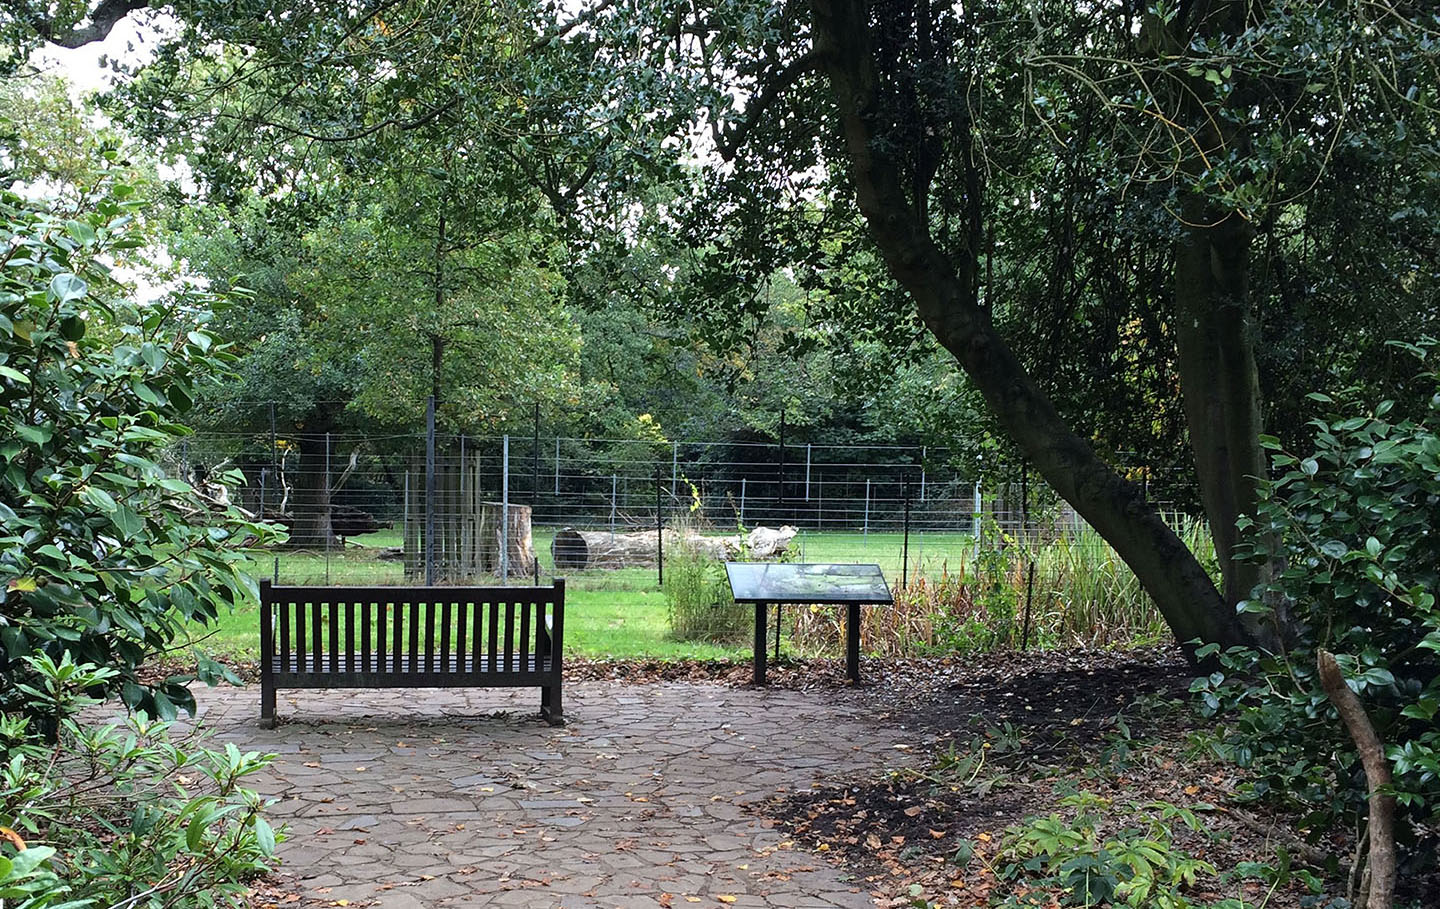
(101,553)
(1132,865)
(1351,526)
(1098,853)
(129,817)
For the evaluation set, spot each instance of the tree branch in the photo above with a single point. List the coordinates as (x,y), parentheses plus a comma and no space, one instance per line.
(103,18)
(585,18)
(787,76)
(1381,827)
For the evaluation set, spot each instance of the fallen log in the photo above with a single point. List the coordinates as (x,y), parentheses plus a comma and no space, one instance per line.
(576,550)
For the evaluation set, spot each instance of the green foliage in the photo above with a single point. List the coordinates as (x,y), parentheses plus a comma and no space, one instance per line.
(102,553)
(1097,853)
(697,598)
(1095,864)
(1352,526)
(128,816)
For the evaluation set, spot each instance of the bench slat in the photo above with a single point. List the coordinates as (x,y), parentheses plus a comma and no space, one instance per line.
(429,637)
(494,631)
(509,637)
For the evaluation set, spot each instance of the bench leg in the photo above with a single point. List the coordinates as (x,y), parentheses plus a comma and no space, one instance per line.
(267,706)
(551,706)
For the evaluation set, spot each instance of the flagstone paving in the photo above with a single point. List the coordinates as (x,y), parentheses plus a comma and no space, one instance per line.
(453,798)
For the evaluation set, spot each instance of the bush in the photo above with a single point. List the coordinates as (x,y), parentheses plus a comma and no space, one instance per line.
(1351,526)
(129,817)
(101,553)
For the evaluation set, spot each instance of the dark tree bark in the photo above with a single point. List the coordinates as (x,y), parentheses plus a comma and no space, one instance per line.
(944,289)
(310,525)
(1220,383)
(1219,378)
(101,19)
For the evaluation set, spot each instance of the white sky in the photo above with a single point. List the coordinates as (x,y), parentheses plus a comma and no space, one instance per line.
(132,41)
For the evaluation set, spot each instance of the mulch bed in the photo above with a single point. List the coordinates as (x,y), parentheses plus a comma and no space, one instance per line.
(1040,719)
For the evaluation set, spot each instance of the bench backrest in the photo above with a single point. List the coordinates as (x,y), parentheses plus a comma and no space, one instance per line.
(430,630)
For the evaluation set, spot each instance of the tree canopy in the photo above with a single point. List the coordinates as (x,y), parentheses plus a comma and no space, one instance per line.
(1132,229)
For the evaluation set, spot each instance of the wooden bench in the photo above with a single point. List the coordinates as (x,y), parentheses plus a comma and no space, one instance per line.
(412,637)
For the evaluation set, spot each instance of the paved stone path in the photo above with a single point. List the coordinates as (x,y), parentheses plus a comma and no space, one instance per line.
(466,798)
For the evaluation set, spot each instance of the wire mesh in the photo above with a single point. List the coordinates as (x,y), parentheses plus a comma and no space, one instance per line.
(358,505)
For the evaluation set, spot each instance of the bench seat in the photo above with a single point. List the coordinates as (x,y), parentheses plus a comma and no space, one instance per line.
(412,637)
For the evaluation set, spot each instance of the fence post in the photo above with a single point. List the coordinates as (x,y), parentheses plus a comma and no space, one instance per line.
(924,456)
(905,531)
(535,479)
(659,533)
(977,528)
(505,509)
(557,466)
(274,459)
(329,510)
(780,484)
(865,531)
(430,491)
(674,468)
(807,471)
(614,493)
(742,501)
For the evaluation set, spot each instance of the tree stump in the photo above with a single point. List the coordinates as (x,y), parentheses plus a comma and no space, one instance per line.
(518,540)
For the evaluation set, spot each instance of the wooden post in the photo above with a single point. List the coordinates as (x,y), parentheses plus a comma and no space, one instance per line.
(852,642)
(761,620)
(430,492)
(267,655)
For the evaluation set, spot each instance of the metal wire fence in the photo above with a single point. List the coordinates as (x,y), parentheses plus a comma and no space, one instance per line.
(377,508)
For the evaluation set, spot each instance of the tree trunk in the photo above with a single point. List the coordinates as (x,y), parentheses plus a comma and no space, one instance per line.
(310,526)
(518,540)
(1380,827)
(1221,385)
(1219,379)
(948,303)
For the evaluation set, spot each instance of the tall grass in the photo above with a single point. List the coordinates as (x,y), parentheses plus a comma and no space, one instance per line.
(697,598)
(1082,594)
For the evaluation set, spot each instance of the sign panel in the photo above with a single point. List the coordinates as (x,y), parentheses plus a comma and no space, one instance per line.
(821,584)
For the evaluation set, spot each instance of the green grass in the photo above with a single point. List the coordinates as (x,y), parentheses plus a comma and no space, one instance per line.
(618,613)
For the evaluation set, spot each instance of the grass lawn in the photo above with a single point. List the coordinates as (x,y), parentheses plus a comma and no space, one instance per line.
(617,613)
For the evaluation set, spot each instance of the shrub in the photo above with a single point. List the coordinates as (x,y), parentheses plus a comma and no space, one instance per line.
(129,817)
(101,553)
(1351,527)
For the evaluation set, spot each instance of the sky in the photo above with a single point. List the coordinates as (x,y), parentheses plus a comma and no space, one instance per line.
(131,40)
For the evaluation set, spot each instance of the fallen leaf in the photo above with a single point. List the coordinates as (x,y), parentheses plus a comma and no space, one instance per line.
(725,898)
(914,810)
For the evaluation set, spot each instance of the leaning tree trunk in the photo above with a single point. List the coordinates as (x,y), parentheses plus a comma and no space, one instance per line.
(945,293)
(310,526)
